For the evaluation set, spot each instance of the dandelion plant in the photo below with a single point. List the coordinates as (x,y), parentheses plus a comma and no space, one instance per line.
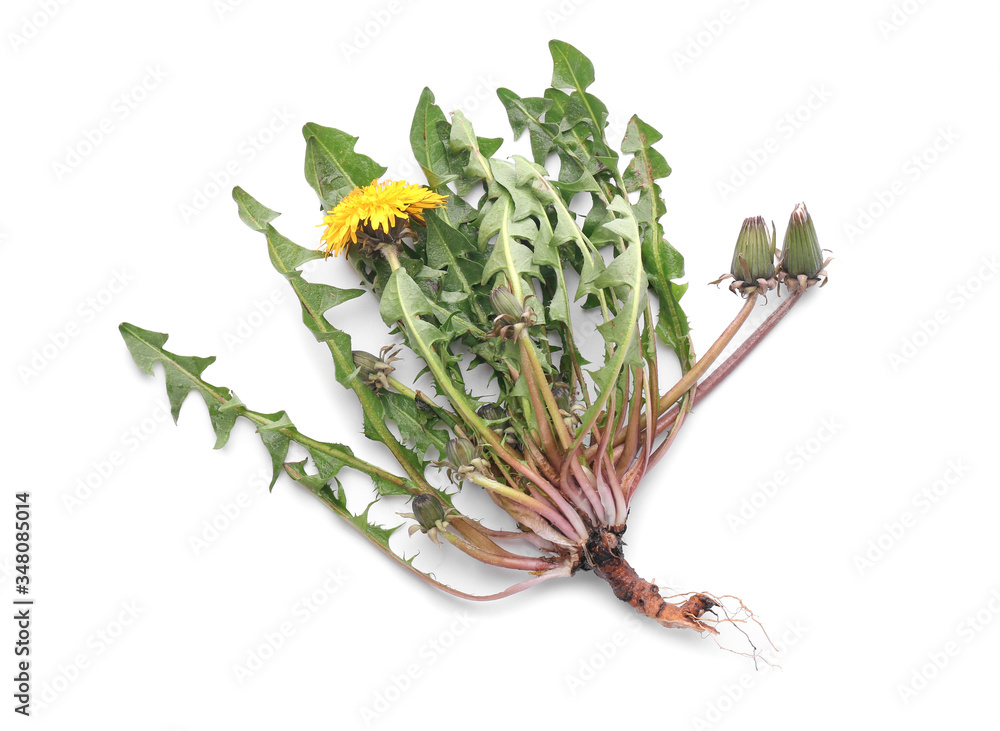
(483,276)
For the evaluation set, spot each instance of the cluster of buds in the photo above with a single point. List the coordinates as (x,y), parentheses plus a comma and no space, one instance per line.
(463,459)
(800,265)
(511,316)
(431,518)
(374,372)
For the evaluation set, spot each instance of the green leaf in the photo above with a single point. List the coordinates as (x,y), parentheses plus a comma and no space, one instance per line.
(332,167)
(337,501)
(384,487)
(403,301)
(648,165)
(571,69)
(672,325)
(285,253)
(450,249)
(329,462)
(414,424)
(476,150)
(317,298)
(624,269)
(276,440)
(625,226)
(429,135)
(509,255)
(525,203)
(527,114)
(662,261)
(182,373)
(254,215)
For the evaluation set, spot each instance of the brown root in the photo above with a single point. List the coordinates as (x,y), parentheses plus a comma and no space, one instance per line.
(605,555)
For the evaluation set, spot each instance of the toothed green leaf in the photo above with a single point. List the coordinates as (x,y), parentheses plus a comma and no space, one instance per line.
(275,440)
(476,151)
(332,167)
(450,249)
(571,69)
(662,261)
(527,114)
(509,255)
(403,302)
(182,373)
(429,135)
(254,215)
(415,425)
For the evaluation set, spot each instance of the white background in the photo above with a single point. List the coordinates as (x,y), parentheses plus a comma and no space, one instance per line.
(883,379)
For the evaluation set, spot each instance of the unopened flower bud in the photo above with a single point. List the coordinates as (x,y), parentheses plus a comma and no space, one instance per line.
(753,269)
(505,304)
(374,371)
(460,451)
(753,258)
(371,370)
(802,262)
(562,395)
(427,510)
(492,412)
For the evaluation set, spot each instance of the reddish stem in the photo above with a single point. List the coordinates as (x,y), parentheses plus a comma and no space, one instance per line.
(717,376)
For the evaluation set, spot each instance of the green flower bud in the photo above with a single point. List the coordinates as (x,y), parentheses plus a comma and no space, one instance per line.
(460,452)
(372,370)
(802,263)
(427,510)
(801,253)
(562,395)
(753,258)
(492,412)
(505,304)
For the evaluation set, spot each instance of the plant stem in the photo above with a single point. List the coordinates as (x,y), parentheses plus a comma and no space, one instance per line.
(552,515)
(510,561)
(719,374)
(542,384)
(541,418)
(691,377)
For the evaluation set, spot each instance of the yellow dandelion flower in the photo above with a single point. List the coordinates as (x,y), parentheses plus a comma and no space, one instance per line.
(375,208)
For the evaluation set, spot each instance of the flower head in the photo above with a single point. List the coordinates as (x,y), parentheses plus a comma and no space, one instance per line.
(376,212)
